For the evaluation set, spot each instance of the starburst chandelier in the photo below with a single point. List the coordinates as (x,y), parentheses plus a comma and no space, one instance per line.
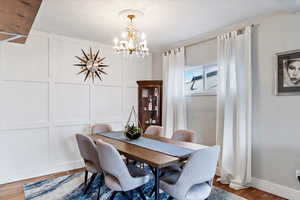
(132,42)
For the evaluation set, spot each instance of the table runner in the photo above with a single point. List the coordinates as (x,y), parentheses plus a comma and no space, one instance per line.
(151,144)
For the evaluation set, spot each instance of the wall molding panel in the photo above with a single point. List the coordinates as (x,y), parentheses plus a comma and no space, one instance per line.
(45,103)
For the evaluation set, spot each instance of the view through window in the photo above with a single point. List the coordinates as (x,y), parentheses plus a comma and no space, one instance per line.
(201,79)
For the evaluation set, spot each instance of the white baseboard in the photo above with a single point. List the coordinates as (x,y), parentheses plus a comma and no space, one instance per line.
(273,188)
(66,166)
(42,172)
(276,189)
(22,175)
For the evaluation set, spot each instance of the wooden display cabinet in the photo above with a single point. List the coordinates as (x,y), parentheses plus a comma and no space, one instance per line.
(150,102)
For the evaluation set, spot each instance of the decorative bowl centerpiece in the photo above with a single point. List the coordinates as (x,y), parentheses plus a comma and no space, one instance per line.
(133,130)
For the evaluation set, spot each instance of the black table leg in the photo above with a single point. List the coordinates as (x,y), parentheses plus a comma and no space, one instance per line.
(156,185)
(86,177)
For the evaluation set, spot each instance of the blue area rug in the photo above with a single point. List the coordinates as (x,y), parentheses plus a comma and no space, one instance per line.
(71,188)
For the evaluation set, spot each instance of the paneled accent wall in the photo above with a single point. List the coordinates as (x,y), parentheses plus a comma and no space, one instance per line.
(44,103)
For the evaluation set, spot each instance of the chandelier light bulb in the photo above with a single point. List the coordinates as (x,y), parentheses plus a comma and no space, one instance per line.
(124,35)
(116,40)
(131,44)
(143,36)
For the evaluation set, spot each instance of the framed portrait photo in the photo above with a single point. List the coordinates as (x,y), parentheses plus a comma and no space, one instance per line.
(287,80)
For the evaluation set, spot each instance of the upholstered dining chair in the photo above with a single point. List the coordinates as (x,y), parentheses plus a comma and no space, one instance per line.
(195,180)
(101,128)
(119,177)
(154,130)
(88,152)
(184,135)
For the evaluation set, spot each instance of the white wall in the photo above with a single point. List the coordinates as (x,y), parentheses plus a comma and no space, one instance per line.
(276,135)
(157,65)
(202,54)
(44,103)
(202,118)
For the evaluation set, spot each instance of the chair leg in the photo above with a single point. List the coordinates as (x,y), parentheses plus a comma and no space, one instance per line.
(134,163)
(99,189)
(140,191)
(90,183)
(170,198)
(86,177)
(126,195)
(152,191)
(113,195)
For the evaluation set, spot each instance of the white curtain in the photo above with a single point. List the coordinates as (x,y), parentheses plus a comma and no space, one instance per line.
(234,120)
(174,106)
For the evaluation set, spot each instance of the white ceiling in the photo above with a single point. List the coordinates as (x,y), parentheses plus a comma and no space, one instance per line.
(164,21)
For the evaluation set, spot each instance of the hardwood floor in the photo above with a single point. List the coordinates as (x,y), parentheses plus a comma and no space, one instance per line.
(14,191)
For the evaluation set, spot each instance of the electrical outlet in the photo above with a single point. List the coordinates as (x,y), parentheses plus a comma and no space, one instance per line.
(298,174)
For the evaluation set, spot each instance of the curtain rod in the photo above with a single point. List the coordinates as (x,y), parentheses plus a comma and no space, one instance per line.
(216,36)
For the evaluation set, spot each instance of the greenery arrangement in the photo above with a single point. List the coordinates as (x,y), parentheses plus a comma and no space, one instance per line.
(132,128)
(132,132)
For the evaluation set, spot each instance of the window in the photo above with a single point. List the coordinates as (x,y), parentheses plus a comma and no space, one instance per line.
(201,80)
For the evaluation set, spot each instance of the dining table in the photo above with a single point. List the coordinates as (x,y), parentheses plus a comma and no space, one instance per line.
(156,159)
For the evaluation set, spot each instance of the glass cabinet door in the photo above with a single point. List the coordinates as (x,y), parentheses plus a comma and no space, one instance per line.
(150,97)
(150,105)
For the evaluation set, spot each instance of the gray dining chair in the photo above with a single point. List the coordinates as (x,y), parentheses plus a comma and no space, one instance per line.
(195,180)
(154,130)
(184,135)
(119,177)
(89,154)
(101,128)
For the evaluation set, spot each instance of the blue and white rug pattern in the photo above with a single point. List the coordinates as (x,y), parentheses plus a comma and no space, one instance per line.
(71,188)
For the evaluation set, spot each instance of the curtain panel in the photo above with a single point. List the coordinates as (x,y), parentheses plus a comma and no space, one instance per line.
(234,108)
(174,105)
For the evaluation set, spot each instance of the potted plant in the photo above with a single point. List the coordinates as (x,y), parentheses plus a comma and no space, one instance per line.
(133,129)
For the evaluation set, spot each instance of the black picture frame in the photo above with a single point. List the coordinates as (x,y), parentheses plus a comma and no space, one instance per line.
(287,79)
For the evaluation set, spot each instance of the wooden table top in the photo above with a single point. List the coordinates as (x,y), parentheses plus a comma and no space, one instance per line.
(153,158)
